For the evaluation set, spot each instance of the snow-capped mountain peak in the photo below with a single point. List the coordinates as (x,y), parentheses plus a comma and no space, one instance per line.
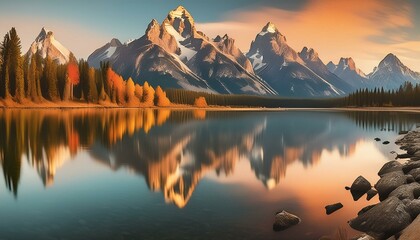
(42,35)
(104,53)
(181,13)
(345,63)
(182,21)
(347,70)
(270,27)
(115,42)
(389,61)
(46,44)
(392,73)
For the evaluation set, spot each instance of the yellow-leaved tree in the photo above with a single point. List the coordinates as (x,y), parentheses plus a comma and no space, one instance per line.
(200,102)
(130,91)
(148,95)
(161,99)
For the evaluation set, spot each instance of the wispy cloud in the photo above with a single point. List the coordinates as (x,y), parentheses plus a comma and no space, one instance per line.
(365,29)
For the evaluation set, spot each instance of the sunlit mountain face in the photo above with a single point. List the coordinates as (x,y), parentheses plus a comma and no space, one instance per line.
(178,159)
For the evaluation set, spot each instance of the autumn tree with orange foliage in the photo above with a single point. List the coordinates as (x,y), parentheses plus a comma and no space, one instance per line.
(161,99)
(138,91)
(148,95)
(200,102)
(132,99)
(73,78)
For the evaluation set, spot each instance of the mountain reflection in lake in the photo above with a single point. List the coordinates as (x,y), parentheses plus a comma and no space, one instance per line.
(77,173)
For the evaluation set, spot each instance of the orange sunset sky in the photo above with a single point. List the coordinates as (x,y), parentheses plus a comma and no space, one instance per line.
(366,30)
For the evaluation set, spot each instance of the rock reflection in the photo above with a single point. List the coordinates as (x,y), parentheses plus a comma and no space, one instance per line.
(172,149)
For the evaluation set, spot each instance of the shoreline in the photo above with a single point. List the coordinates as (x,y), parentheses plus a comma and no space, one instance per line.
(397,214)
(76,105)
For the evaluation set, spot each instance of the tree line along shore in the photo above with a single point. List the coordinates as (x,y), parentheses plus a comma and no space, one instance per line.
(33,81)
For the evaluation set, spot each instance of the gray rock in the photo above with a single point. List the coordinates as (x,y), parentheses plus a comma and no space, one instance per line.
(285,220)
(402,132)
(413,208)
(417,179)
(389,182)
(410,165)
(332,208)
(370,194)
(410,179)
(359,187)
(391,166)
(383,220)
(414,172)
(365,209)
(407,191)
(412,231)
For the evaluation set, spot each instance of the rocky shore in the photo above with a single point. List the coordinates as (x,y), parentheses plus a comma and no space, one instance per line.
(396,216)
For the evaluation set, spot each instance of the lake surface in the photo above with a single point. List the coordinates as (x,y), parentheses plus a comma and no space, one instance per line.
(149,174)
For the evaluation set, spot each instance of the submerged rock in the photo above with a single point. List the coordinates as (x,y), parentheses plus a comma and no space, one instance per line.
(385,142)
(383,220)
(332,208)
(370,194)
(391,166)
(389,182)
(285,220)
(377,139)
(359,187)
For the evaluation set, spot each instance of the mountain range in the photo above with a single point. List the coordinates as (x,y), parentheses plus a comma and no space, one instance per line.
(175,54)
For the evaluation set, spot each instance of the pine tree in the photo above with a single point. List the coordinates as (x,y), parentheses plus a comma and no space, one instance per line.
(16,66)
(38,75)
(32,76)
(20,85)
(5,56)
(50,75)
(93,93)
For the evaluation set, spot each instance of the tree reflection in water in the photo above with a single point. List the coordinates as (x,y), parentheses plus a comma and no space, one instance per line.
(175,149)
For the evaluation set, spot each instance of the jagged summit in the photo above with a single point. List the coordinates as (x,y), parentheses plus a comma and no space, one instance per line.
(270,27)
(46,44)
(181,13)
(309,54)
(115,42)
(347,63)
(391,73)
(218,38)
(390,59)
(42,35)
(152,25)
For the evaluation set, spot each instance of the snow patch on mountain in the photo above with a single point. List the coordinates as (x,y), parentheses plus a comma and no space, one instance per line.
(257,60)
(46,44)
(186,53)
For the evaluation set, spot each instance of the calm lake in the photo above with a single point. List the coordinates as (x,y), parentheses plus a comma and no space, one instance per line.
(162,174)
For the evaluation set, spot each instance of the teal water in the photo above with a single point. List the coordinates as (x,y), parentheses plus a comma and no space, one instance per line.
(149,174)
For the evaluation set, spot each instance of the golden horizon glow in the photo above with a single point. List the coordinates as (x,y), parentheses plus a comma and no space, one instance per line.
(364,30)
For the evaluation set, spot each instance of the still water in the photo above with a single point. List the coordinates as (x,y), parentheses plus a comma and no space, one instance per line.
(162,174)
